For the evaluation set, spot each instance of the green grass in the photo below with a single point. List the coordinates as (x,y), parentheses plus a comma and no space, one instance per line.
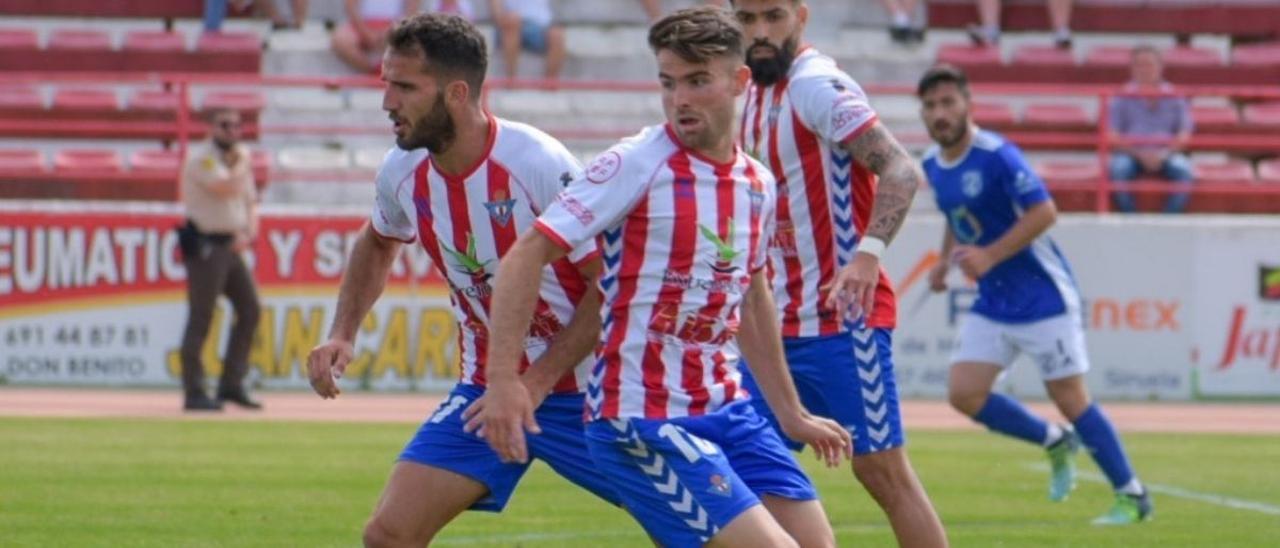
(214,483)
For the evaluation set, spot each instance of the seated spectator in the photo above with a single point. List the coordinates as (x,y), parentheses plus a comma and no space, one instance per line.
(653,8)
(902,29)
(461,8)
(528,25)
(215,12)
(987,31)
(1166,118)
(360,41)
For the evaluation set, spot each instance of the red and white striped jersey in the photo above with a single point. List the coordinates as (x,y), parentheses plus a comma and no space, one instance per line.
(466,222)
(797,127)
(681,236)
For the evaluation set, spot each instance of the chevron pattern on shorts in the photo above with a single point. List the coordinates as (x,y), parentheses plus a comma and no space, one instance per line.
(875,404)
(665,481)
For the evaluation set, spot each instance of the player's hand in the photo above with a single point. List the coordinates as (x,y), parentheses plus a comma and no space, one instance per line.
(326,364)
(853,292)
(938,277)
(974,261)
(241,242)
(507,414)
(473,414)
(830,442)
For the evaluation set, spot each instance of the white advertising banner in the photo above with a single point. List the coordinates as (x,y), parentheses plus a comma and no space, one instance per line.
(1174,307)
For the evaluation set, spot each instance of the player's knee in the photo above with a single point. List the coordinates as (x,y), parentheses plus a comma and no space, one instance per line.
(379,534)
(884,476)
(966,401)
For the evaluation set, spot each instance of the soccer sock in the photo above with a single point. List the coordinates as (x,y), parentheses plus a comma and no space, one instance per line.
(1104,445)
(1006,416)
(1052,434)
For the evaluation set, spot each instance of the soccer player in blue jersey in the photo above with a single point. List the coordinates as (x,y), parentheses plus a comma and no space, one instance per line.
(998,214)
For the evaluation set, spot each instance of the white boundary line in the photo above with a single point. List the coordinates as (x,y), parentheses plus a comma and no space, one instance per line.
(1179,492)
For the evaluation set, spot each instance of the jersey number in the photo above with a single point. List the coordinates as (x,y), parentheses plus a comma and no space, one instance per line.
(447,409)
(692,447)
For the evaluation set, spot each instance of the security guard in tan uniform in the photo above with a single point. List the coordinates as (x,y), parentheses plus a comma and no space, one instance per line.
(218,193)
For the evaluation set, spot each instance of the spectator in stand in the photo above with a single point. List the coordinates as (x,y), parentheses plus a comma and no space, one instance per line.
(902,28)
(215,11)
(987,31)
(1166,119)
(653,8)
(528,25)
(360,41)
(461,8)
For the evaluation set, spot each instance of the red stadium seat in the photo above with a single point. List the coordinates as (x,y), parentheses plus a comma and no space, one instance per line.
(91,171)
(20,102)
(1109,56)
(1269,171)
(997,116)
(1060,117)
(155,161)
(20,161)
(1257,55)
(154,104)
(154,175)
(967,55)
(1046,56)
(21,174)
(159,51)
(1230,171)
(79,50)
(1191,57)
(1263,115)
(78,102)
(1069,171)
(227,52)
(1215,118)
(247,102)
(18,49)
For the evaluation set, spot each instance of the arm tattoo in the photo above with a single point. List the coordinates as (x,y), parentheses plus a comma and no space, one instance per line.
(899,178)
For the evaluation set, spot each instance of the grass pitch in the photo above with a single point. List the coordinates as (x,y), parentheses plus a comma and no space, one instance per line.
(217,483)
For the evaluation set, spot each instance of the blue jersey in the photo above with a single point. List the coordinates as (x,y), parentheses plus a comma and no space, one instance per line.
(983,194)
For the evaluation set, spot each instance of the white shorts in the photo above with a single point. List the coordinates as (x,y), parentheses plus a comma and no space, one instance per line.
(1055,344)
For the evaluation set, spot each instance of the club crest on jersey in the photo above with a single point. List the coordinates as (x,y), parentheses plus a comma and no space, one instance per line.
(604,167)
(467,262)
(971,183)
(719,486)
(683,187)
(500,208)
(725,253)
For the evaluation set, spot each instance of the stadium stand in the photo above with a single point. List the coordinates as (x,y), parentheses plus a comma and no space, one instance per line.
(318,128)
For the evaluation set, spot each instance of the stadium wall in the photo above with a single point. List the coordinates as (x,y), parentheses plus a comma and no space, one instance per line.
(1176,307)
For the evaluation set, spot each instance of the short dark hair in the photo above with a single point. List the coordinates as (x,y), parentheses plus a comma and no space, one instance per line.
(450,44)
(699,34)
(1144,48)
(943,74)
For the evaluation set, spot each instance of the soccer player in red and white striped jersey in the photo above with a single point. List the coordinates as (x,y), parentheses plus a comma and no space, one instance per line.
(464,184)
(684,219)
(844,188)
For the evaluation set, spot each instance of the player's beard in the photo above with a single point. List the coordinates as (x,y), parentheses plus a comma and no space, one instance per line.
(434,132)
(766,71)
(953,134)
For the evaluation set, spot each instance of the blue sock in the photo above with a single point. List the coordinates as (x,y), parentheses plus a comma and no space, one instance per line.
(1006,416)
(1104,445)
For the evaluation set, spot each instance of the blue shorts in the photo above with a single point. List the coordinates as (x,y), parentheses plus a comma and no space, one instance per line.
(848,378)
(533,36)
(442,443)
(686,478)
